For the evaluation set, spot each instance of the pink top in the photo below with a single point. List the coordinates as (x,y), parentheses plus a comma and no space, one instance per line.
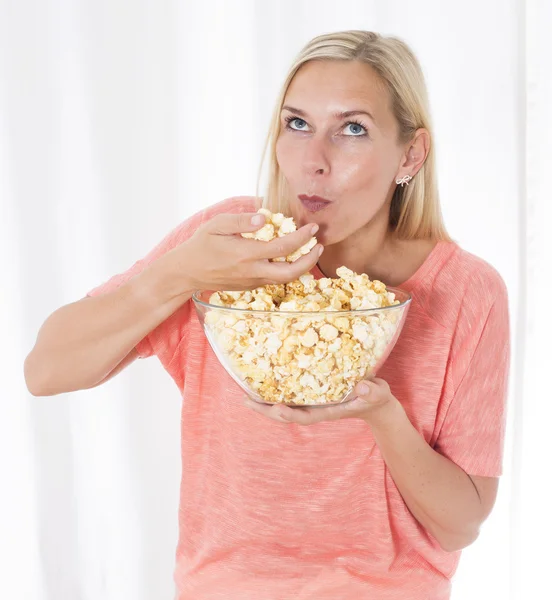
(276,511)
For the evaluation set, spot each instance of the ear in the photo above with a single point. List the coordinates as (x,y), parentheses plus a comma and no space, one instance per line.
(416,152)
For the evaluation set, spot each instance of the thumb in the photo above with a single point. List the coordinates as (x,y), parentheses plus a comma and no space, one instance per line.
(363,389)
(231,224)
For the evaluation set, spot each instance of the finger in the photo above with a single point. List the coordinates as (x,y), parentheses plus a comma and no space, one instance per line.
(267,410)
(309,416)
(283,272)
(373,387)
(293,414)
(371,393)
(231,224)
(285,245)
(282,412)
(365,388)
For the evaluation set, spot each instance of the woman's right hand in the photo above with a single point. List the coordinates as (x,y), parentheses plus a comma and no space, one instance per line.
(217,257)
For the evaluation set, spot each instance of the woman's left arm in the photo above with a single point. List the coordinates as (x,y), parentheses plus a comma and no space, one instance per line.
(447,501)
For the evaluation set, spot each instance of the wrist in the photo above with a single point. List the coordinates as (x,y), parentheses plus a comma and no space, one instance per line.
(161,285)
(385,418)
(173,275)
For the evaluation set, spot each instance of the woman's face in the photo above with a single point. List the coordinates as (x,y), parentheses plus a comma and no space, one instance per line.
(351,160)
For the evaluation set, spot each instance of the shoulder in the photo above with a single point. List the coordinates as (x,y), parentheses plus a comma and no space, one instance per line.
(481,318)
(463,287)
(477,280)
(467,273)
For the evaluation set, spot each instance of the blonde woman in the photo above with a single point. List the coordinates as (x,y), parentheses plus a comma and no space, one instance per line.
(371,499)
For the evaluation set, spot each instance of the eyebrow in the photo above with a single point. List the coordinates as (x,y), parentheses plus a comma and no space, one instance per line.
(338,115)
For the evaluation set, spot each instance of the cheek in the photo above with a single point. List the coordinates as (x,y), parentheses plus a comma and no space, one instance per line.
(285,155)
(367,169)
(357,173)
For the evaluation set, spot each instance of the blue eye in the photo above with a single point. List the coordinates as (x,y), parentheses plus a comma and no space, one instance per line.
(357,126)
(289,120)
(357,129)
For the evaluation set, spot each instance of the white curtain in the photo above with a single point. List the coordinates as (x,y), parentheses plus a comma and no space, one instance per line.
(118,119)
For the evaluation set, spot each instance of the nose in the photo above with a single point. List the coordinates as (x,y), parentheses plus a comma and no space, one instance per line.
(315,158)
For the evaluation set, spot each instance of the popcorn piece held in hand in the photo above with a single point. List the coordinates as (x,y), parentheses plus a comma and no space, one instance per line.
(277,225)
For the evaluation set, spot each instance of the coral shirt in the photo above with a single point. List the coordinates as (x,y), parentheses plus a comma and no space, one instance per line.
(275,511)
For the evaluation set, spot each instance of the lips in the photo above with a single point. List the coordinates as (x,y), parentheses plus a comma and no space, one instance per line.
(314,203)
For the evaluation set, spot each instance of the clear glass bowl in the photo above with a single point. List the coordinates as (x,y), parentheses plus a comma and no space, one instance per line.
(301,358)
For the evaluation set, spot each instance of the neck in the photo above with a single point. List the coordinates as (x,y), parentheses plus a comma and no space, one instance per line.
(371,252)
(376,251)
(367,250)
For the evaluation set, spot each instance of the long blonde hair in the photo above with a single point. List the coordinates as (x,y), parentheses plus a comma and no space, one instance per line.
(415,211)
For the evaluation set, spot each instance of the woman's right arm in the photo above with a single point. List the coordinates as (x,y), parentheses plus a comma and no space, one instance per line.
(84,343)
(87,342)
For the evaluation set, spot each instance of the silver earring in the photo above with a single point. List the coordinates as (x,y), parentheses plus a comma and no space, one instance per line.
(403,180)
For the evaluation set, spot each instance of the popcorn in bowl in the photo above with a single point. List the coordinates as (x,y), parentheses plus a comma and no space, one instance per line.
(308,342)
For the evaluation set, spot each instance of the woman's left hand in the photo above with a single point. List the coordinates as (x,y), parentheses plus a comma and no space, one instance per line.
(368,397)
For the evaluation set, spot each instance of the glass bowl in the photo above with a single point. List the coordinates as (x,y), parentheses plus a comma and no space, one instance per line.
(301,358)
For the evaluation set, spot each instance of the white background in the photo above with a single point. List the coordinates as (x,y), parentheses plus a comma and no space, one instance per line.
(118,119)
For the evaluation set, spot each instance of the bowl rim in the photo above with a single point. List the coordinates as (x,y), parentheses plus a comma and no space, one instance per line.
(306,313)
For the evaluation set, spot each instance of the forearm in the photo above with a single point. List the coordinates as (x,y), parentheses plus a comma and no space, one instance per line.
(82,342)
(439,494)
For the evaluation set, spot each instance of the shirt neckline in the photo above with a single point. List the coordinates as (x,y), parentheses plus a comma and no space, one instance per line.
(440,251)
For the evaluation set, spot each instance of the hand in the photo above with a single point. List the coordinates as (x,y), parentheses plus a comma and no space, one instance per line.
(369,397)
(217,257)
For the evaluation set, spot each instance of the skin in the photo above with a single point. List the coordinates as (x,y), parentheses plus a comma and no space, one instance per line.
(356,167)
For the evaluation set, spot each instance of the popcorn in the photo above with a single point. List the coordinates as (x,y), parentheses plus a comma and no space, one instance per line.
(328,332)
(309,338)
(309,359)
(265,233)
(277,225)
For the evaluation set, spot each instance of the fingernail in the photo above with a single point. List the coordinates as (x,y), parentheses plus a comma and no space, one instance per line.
(257,220)
(320,250)
(314,229)
(363,389)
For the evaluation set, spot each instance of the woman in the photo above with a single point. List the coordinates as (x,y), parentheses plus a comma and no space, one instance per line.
(371,499)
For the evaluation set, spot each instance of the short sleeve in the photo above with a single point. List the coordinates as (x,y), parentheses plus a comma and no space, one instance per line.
(165,338)
(472,435)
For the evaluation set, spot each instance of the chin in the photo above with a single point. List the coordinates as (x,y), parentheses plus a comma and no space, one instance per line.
(327,236)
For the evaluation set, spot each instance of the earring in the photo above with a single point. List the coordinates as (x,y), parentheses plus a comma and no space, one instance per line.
(403,180)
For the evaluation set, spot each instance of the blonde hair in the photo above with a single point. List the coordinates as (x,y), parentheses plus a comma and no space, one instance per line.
(415,211)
